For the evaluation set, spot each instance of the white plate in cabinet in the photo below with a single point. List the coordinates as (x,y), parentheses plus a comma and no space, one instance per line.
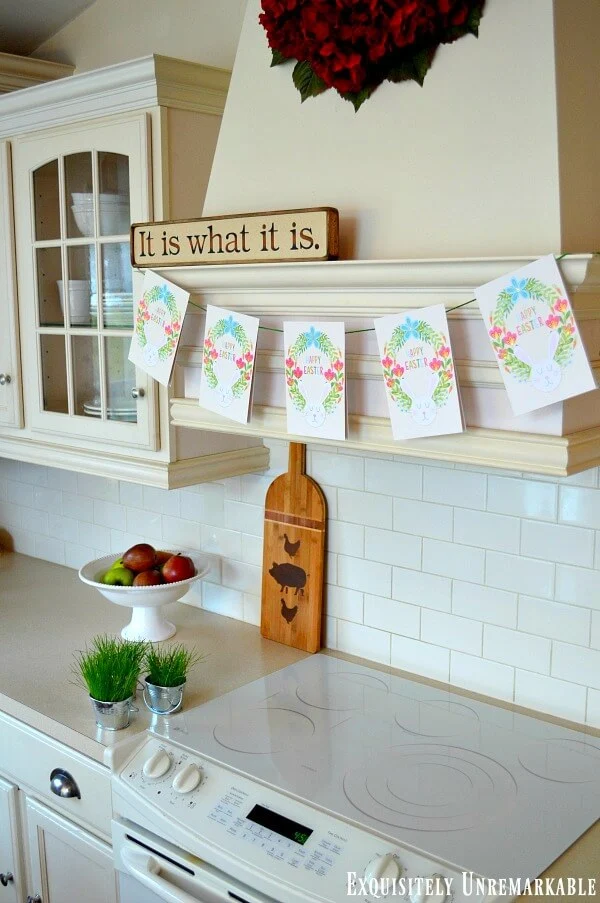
(67,864)
(10,865)
(30,757)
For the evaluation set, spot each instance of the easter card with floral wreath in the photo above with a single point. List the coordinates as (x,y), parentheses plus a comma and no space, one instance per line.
(157,327)
(228,356)
(315,379)
(419,373)
(534,336)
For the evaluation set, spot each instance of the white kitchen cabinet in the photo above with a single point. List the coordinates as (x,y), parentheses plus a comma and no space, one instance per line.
(90,155)
(66,863)
(10,377)
(11,889)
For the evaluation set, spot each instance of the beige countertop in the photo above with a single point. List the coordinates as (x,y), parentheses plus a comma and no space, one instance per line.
(46,614)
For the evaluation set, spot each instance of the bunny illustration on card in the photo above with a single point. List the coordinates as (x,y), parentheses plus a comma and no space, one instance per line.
(418,373)
(533,333)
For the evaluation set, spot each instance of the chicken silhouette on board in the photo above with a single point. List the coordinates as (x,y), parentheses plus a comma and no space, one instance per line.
(288,613)
(290,547)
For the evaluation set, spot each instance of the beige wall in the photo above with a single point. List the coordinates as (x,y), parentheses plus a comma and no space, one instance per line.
(111,31)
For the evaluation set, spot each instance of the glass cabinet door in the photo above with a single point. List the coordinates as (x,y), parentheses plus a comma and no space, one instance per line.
(79,295)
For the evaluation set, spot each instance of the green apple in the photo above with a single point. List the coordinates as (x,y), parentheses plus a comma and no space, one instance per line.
(118,576)
(118,563)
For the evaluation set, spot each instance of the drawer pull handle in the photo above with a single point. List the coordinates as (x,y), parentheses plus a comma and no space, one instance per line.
(5,878)
(36,899)
(62,784)
(4,379)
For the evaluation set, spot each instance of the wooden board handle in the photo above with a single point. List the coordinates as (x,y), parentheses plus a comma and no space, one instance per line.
(297,459)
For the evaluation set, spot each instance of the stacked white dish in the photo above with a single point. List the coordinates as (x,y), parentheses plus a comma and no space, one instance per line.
(113,213)
(79,301)
(118,310)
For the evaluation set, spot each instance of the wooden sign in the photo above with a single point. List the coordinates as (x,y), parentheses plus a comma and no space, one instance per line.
(280,235)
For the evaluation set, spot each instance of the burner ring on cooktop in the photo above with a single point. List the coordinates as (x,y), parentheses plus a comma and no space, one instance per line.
(564,760)
(341,692)
(436,717)
(431,787)
(263,731)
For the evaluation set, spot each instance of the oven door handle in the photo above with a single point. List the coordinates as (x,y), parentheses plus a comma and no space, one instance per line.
(146,869)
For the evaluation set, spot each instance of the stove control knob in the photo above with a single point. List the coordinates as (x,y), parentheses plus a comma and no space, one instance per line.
(430,890)
(187,779)
(383,867)
(157,765)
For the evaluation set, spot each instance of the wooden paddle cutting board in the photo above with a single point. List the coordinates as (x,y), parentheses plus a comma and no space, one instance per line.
(294,557)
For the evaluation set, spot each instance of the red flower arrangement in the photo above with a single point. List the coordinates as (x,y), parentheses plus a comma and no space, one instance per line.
(354,45)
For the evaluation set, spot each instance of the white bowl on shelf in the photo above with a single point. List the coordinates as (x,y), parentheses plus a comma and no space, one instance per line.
(79,300)
(147,620)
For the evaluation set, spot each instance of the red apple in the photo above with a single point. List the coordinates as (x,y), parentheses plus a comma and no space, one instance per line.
(148,578)
(140,558)
(178,567)
(162,558)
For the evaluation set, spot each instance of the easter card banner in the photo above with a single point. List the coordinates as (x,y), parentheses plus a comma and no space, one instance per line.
(534,336)
(157,327)
(419,375)
(315,379)
(228,357)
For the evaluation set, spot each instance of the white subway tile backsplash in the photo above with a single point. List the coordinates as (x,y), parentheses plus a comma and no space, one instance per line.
(394,478)
(481,675)
(522,650)
(422,589)
(344,603)
(342,471)
(420,658)
(108,514)
(366,642)
(364,576)
(461,488)
(520,575)
(557,697)
(553,542)
(578,586)
(452,632)
(492,606)
(388,614)
(522,497)
(451,560)
(554,620)
(400,549)
(576,664)
(365,508)
(423,561)
(348,539)
(593,708)
(579,506)
(486,531)
(423,518)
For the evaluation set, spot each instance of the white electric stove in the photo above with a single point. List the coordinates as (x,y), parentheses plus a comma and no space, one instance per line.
(309,784)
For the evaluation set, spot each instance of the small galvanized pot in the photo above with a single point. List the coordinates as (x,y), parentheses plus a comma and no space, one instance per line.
(113,716)
(163,700)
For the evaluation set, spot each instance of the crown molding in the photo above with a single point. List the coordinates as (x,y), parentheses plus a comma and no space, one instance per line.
(150,81)
(17,72)
(368,288)
(556,456)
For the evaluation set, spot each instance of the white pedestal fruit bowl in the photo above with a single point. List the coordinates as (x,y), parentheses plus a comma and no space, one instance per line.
(148,620)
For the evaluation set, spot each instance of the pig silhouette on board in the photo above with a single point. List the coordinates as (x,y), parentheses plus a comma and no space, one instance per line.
(288,575)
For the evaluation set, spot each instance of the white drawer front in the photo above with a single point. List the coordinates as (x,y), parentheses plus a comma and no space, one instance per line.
(29,757)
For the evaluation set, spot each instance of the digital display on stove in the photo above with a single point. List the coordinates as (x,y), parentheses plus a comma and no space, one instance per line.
(280,824)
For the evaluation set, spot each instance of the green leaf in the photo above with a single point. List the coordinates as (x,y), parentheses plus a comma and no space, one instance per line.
(474,20)
(357,98)
(308,84)
(278,58)
(421,64)
(402,72)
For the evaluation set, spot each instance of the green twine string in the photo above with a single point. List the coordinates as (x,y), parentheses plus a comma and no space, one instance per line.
(372,328)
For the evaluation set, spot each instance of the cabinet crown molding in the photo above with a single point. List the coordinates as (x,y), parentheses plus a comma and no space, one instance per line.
(146,82)
(18,72)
